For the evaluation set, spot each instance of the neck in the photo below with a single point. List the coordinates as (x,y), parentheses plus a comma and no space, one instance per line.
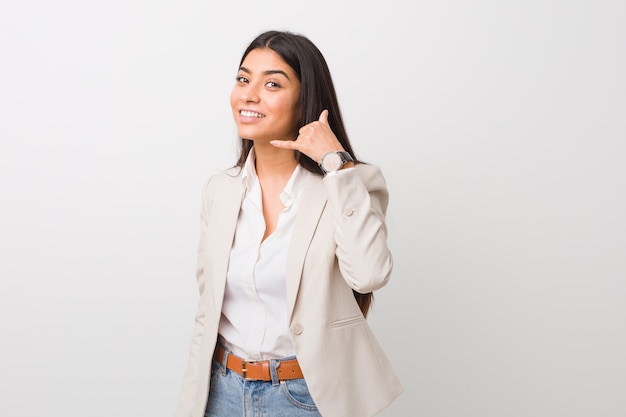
(272,162)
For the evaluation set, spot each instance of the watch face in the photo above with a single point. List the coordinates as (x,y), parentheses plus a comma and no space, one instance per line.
(331,162)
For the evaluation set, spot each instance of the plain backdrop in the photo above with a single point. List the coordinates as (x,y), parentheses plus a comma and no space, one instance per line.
(500,127)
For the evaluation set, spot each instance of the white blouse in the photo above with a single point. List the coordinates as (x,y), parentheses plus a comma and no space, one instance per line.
(254,313)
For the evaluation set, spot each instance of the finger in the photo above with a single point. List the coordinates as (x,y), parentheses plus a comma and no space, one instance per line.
(284,144)
(324,116)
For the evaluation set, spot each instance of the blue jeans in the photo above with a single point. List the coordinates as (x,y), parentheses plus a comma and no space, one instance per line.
(231,396)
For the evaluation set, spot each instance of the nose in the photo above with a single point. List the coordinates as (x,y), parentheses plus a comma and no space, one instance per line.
(250,94)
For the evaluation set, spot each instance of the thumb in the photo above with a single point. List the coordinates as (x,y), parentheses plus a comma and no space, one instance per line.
(324,116)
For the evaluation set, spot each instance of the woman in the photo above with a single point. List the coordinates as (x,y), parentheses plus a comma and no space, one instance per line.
(293,242)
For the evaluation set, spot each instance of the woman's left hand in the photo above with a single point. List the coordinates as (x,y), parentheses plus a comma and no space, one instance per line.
(314,140)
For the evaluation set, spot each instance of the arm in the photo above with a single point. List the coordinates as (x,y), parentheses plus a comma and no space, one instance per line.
(191,377)
(358,199)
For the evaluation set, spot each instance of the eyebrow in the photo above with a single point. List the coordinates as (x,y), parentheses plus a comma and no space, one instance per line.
(268,72)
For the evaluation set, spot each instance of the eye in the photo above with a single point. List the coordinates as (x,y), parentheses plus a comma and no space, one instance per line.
(272,84)
(241,79)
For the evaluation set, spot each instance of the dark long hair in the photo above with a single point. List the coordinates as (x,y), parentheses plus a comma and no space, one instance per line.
(317,92)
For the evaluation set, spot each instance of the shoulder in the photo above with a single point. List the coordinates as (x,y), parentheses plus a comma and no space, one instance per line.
(223,178)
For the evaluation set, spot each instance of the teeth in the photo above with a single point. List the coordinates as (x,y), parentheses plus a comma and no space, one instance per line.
(247,113)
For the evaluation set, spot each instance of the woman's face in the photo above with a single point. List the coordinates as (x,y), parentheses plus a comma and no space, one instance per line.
(265,98)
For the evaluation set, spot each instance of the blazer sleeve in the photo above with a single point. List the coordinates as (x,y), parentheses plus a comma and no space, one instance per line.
(191,377)
(358,199)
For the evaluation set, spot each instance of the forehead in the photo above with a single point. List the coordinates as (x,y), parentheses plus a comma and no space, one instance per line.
(262,60)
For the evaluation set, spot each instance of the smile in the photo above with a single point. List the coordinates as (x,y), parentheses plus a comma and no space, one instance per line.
(248,113)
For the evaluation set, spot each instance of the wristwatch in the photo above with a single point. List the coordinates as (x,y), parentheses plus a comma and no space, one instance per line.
(333,161)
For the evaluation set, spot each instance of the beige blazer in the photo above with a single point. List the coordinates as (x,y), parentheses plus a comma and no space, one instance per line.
(339,244)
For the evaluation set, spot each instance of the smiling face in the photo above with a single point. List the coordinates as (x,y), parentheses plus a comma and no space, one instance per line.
(265,98)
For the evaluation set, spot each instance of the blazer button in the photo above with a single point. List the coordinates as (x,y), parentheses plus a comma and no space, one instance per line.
(348,212)
(297,328)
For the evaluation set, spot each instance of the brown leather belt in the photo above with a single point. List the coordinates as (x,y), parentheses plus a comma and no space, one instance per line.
(258,370)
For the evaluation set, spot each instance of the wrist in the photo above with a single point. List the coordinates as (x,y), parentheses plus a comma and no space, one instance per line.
(335,160)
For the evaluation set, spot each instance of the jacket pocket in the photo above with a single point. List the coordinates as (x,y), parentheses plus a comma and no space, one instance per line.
(348,321)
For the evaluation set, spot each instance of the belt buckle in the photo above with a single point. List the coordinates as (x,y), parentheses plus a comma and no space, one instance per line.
(244,371)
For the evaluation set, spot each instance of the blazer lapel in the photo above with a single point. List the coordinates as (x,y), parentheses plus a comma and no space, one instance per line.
(310,208)
(226,212)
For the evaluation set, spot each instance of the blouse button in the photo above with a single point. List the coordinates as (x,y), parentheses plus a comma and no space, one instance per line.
(348,212)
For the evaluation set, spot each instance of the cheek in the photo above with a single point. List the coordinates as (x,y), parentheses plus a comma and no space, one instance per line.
(295,114)
(233,104)
(233,100)
(295,108)
(291,109)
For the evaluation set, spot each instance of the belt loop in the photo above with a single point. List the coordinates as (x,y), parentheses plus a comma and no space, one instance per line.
(225,362)
(225,365)
(274,364)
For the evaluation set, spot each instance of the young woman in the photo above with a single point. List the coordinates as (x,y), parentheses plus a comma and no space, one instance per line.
(293,242)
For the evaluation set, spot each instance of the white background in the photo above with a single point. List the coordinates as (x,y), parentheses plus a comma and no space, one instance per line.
(500,127)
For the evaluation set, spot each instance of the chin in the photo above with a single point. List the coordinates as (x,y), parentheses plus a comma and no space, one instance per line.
(245,133)
(252,134)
